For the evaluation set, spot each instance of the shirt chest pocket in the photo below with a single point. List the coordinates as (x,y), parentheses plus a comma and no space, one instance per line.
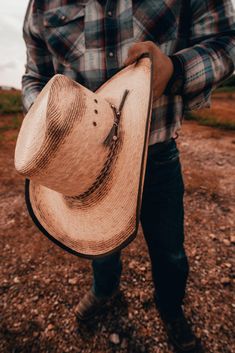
(64,32)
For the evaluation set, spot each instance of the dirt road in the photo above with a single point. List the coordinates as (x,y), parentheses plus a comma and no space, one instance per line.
(41,284)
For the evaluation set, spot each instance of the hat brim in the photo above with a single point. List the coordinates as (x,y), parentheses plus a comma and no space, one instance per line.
(112,223)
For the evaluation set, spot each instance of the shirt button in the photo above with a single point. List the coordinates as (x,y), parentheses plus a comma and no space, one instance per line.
(63,18)
(111,54)
(110,13)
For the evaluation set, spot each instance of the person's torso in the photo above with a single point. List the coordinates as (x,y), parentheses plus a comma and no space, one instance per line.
(89,41)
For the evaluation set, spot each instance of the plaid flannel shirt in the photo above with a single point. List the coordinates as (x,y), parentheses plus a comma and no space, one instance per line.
(88,41)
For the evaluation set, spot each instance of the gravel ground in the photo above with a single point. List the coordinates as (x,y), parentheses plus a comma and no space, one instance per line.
(41,284)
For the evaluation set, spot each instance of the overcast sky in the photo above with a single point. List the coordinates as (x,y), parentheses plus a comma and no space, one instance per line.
(12,48)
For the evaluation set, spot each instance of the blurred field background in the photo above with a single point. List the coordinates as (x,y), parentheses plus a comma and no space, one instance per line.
(222,111)
(11,114)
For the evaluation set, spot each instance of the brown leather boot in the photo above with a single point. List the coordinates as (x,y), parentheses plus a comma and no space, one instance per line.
(179,332)
(90,305)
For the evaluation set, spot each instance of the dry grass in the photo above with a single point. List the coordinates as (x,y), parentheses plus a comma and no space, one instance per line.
(9,126)
(10,102)
(212,120)
(220,115)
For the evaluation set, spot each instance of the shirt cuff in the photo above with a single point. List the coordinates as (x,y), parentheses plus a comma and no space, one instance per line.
(176,82)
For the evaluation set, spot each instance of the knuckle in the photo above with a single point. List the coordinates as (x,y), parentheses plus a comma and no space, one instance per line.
(149,44)
(132,49)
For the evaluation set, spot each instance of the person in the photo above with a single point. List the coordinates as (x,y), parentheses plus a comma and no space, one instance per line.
(192,46)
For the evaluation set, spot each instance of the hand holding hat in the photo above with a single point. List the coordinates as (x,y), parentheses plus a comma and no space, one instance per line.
(162,65)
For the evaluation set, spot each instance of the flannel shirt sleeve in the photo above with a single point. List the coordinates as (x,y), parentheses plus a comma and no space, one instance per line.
(39,66)
(210,58)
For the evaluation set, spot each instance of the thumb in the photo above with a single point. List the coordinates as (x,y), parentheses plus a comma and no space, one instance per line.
(134,52)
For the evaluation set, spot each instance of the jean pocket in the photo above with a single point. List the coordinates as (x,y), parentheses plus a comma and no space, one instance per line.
(64,32)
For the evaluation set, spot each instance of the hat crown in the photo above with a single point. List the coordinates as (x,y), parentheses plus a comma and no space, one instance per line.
(61,137)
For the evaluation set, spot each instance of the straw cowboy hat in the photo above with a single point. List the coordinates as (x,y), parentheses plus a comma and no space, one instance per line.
(83,154)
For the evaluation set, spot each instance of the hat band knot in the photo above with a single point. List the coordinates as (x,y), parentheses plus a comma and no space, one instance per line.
(113,133)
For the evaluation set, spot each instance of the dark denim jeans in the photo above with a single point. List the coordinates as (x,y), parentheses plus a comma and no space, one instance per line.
(162,218)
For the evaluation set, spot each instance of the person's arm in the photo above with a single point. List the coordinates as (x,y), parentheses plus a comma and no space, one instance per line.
(210,59)
(39,65)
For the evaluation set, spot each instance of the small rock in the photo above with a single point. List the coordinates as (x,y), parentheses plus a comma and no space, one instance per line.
(220,163)
(232,239)
(11,221)
(50,327)
(16,324)
(225,280)
(222,228)
(114,338)
(16,280)
(228,265)
(143,268)
(212,236)
(132,265)
(204,281)
(226,242)
(130,316)
(73,280)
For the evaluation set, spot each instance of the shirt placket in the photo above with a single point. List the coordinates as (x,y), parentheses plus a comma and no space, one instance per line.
(111,38)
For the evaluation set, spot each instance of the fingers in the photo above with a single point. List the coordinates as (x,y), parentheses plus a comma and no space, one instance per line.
(135,51)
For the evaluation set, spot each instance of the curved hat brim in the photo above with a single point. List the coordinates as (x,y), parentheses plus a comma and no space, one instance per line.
(62,245)
(111,224)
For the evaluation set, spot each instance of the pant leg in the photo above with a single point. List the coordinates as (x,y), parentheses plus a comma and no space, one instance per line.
(162,217)
(106,274)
